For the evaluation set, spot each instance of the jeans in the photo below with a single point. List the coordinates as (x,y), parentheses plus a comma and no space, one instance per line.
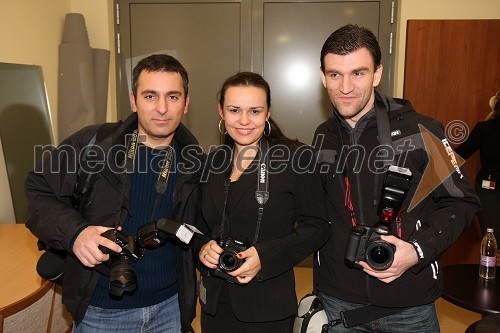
(159,318)
(416,319)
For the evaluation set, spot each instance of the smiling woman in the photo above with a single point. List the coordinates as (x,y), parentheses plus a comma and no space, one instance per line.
(262,209)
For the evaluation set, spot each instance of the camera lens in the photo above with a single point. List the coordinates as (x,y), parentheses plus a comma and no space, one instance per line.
(122,276)
(380,254)
(228,261)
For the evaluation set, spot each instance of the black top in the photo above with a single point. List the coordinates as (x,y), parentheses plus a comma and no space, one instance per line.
(294,224)
(485,137)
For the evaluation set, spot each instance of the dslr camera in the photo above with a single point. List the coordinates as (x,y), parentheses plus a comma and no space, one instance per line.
(122,277)
(228,259)
(364,242)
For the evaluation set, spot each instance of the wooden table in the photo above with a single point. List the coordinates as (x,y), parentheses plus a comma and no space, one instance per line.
(18,257)
(463,287)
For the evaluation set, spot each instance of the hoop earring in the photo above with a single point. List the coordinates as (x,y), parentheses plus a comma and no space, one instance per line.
(268,133)
(220,131)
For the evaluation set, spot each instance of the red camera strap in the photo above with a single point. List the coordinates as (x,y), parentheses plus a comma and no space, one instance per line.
(348,202)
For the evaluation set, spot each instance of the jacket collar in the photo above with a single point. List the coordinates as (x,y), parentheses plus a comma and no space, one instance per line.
(395,106)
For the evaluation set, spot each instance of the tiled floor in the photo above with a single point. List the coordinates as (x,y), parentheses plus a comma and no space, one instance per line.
(452,319)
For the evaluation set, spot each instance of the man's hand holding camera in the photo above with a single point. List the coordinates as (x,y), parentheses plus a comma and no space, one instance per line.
(405,257)
(373,248)
(86,246)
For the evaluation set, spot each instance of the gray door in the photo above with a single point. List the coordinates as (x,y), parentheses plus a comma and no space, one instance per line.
(214,39)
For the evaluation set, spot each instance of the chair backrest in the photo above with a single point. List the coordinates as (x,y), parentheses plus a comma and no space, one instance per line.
(30,314)
(60,319)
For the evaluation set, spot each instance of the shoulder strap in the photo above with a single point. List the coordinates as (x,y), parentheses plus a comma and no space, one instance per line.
(383,127)
(83,180)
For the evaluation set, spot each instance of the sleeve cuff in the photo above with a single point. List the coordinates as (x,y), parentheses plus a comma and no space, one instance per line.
(75,236)
(420,254)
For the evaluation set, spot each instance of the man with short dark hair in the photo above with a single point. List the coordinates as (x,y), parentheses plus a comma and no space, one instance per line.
(130,175)
(387,232)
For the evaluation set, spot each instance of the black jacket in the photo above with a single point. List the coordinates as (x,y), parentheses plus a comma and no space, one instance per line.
(432,225)
(485,137)
(54,220)
(294,224)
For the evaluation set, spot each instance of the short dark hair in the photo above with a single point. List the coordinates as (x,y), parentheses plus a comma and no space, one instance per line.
(349,39)
(159,63)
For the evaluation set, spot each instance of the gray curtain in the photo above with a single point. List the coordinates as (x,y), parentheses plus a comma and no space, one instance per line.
(83,79)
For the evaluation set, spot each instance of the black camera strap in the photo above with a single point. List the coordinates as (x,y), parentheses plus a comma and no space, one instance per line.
(262,192)
(383,127)
(162,181)
(366,314)
(384,137)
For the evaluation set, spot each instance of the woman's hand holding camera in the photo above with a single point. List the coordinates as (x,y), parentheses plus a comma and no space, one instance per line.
(209,254)
(405,257)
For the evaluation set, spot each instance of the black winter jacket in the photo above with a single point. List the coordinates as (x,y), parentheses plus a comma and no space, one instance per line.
(431,226)
(54,220)
(294,224)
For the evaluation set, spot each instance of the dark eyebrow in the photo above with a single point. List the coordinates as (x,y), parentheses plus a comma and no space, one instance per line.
(154,92)
(174,92)
(251,108)
(361,69)
(148,92)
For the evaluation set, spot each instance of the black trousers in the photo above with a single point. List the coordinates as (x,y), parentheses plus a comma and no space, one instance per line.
(225,321)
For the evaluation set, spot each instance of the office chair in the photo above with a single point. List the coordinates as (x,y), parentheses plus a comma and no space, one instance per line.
(30,314)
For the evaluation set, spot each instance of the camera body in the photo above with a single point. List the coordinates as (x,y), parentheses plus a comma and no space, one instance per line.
(122,277)
(366,245)
(364,242)
(228,259)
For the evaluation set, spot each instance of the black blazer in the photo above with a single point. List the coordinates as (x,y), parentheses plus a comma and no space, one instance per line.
(294,224)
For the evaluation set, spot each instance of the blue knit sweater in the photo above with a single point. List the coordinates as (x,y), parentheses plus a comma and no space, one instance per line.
(156,271)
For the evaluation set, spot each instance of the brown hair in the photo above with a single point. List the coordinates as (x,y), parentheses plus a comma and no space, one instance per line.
(250,79)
